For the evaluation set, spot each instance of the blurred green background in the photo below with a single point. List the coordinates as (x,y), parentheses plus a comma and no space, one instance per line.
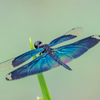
(45,20)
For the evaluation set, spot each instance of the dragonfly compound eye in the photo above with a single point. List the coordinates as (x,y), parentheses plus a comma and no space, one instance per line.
(37,44)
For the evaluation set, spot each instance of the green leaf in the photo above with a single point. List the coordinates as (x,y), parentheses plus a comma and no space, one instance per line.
(41,80)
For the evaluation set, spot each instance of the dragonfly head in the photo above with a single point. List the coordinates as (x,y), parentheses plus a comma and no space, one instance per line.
(37,44)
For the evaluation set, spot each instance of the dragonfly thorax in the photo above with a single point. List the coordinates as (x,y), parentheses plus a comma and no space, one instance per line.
(46,48)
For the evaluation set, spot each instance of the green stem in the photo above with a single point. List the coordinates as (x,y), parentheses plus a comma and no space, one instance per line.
(41,79)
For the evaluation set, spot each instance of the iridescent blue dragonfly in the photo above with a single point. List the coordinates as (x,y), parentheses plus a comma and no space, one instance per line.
(49,57)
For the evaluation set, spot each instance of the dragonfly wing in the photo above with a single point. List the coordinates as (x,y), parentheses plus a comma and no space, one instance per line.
(69,35)
(24,57)
(6,64)
(41,64)
(19,60)
(69,52)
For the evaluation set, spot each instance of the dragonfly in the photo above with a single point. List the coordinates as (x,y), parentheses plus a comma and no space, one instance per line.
(49,57)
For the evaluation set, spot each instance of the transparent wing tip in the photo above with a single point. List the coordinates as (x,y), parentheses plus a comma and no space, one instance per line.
(96,37)
(9,77)
(75,31)
(6,65)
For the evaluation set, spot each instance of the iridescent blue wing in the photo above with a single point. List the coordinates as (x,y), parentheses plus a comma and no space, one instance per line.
(19,60)
(41,64)
(69,35)
(69,52)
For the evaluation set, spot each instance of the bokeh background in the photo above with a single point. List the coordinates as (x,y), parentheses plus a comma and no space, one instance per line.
(45,20)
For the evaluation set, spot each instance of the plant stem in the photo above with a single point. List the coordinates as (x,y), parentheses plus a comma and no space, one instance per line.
(41,80)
